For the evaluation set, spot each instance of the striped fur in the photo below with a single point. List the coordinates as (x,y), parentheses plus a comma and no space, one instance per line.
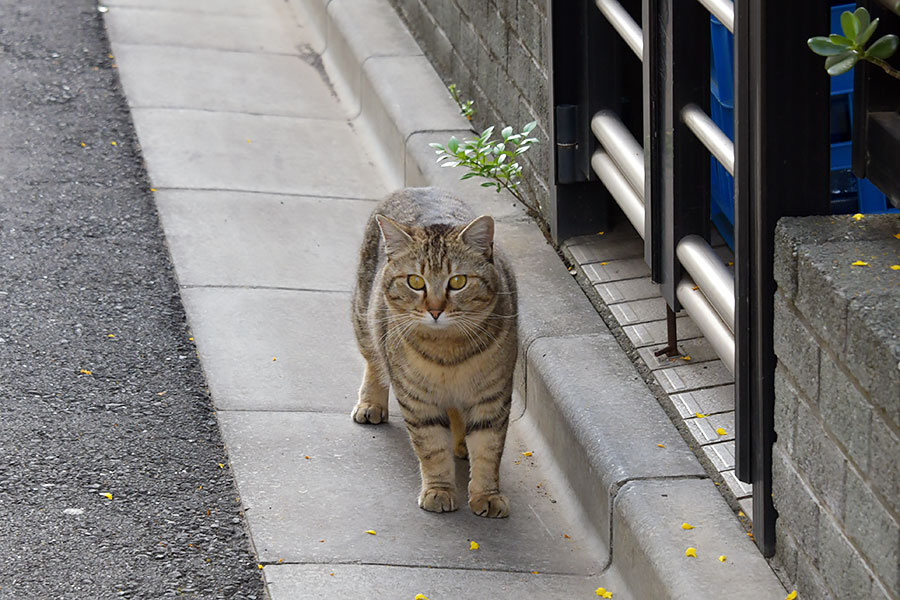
(448,354)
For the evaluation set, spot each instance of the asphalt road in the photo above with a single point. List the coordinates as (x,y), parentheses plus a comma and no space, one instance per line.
(113,478)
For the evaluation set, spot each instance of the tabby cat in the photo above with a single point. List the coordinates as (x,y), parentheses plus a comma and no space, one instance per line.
(434,312)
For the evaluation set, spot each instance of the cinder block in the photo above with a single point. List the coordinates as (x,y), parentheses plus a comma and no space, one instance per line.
(819,459)
(884,462)
(785,265)
(786,398)
(796,348)
(874,530)
(530,28)
(816,300)
(845,412)
(841,566)
(873,348)
(496,34)
(797,505)
(785,559)
(809,579)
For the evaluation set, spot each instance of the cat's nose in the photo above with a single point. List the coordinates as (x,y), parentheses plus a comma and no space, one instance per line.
(435,313)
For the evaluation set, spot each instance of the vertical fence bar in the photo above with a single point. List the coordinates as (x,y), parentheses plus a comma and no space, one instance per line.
(781,169)
(676,192)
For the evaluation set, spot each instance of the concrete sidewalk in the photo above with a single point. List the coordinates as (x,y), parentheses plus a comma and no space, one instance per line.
(269,129)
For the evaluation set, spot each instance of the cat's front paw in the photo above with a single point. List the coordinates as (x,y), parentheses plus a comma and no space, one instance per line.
(368,412)
(494,505)
(438,500)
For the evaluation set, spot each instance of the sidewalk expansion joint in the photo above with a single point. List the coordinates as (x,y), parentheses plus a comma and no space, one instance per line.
(264,193)
(208,48)
(260,287)
(218,111)
(428,567)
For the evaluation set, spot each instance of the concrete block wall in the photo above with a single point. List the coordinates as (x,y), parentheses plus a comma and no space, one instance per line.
(836,465)
(494,51)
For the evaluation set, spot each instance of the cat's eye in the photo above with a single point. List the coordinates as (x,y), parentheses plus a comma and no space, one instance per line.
(415,282)
(457,282)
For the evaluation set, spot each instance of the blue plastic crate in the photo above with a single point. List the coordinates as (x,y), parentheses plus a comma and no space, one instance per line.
(848,194)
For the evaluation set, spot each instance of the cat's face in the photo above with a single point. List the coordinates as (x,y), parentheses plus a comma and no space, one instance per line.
(440,277)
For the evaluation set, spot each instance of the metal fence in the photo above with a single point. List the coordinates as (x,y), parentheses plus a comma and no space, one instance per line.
(628,70)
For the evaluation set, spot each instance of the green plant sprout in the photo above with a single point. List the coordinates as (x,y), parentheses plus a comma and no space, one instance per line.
(467,108)
(842,52)
(494,160)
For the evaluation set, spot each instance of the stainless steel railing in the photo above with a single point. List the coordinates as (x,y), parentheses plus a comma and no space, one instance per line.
(706,291)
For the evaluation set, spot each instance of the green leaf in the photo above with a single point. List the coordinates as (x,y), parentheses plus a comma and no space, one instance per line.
(840,64)
(850,25)
(453,144)
(884,48)
(863,37)
(486,133)
(862,16)
(507,131)
(824,46)
(488,184)
(469,175)
(840,40)
(436,146)
(528,127)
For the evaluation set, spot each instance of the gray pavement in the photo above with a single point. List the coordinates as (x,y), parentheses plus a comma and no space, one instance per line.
(263,185)
(269,128)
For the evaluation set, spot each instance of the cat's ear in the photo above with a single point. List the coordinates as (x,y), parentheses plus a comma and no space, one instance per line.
(479,234)
(396,238)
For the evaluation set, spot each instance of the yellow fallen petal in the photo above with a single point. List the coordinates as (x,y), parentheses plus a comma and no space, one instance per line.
(86,372)
(603,592)
(152,189)
(473,545)
(114,143)
(221,465)
(259,566)
(604,263)
(686,357)
(722,558)
(721,431)
(602,232)
(895,267)
(700,415)
(83,145)
(858,216)
(108,496)
(859,263)
(691,552)
(529,453)
(418,596)
(791,596)
(897,235)
(687,526)
(370,531)
(110,335)
(660,445)
(535,572)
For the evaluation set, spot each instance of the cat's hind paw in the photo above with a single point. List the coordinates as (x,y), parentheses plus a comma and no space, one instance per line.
(368,412)
(460,450)
(438,500)
(493,506)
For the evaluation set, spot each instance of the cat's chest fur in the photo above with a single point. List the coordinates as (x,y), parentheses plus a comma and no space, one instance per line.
(457,380)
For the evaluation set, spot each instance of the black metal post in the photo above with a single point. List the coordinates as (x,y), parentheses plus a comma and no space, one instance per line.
(676,189)
(579,39)
(781,169)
